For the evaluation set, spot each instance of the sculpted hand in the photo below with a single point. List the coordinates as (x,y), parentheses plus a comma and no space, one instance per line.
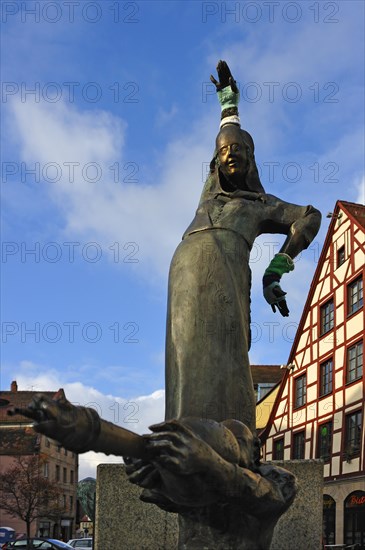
(145,475)
(274,295)
(73,427)
(176,448)
(142,473)
(225,77)
(228,93)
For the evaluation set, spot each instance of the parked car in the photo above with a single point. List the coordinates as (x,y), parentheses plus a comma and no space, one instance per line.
(86,542)
(7,534)
(41,543)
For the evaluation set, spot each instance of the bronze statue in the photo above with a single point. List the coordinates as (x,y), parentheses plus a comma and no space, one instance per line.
(208,320)
(203,462)
(210,474)
(207,472)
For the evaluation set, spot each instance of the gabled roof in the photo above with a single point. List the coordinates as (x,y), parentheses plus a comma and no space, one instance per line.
(356,213)
(20,399)
(266,374)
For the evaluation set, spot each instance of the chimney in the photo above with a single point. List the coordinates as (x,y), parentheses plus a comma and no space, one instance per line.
(14,387)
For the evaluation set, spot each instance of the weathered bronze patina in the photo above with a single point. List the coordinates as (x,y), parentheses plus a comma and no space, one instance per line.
(203,462)
(207,472)
(208,319)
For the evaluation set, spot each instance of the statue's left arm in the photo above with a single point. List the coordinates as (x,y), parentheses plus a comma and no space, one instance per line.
(301,225)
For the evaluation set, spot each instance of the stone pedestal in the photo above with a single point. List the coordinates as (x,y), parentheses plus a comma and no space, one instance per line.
(123,521)
(301,527)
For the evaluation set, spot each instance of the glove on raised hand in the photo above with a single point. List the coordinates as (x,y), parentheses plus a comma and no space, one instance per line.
(228,94)
(228,97)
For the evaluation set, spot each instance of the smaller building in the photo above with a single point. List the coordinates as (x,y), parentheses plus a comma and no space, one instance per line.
(265,378)
(18,438)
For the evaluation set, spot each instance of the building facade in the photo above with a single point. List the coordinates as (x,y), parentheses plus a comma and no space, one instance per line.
(319,407)
(17,438)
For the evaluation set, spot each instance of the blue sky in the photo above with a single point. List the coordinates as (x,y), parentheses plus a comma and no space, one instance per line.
(109,122)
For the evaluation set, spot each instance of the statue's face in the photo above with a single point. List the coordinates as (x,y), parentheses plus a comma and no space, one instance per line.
(232,153)
(245,441)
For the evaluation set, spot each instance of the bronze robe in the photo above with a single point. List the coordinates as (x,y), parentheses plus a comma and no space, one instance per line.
(208,318)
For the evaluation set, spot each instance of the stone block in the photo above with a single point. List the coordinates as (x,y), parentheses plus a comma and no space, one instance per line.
(123,521)
(301,527)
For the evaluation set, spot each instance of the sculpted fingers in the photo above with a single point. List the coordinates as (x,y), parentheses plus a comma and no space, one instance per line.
(172,427)
(164,442)
(145,477)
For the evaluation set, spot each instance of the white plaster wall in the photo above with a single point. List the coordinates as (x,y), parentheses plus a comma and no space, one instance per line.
(311,393)
(336,444)
(355,324)
(353,393)
(325,405)
(350,467)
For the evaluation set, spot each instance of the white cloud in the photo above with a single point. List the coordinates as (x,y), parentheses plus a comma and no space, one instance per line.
(154,216)
(319,59)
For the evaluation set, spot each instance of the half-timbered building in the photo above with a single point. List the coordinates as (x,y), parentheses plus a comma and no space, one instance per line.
(319,408)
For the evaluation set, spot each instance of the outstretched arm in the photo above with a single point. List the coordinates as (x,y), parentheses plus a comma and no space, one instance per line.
(300,224)
(80,429)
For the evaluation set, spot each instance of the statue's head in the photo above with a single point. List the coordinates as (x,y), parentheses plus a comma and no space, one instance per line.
(249,444)
(221,439)
(231,439)
(232,153)
(234,156)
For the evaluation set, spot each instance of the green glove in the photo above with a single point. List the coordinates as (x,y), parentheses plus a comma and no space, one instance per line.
(228,98)
(280,264)
(273,293)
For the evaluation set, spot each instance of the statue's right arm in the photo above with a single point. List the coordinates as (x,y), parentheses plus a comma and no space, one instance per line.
(80,429)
